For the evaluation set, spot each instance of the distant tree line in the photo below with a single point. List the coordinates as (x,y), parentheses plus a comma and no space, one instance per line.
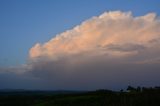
(142,89)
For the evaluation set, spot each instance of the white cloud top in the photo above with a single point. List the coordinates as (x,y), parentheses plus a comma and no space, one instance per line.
(117,34)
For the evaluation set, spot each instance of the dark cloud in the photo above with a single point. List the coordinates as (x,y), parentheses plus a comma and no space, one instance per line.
(96,72)
(125,47)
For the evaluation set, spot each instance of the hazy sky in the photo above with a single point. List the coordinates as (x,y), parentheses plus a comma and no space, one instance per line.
(79,44)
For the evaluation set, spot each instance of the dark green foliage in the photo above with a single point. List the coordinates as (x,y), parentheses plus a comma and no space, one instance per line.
(136,97)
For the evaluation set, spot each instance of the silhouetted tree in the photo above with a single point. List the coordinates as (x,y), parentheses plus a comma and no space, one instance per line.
(131,89)
(138,89)
(121,90)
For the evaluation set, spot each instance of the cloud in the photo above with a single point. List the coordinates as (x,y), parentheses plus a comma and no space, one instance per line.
(112,50)
(111,28)
(125,48)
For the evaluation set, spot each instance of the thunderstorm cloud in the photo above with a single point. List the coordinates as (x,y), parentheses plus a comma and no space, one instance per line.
(112,50)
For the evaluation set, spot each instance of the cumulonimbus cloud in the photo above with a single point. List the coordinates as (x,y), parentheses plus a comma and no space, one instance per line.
(107,51)
(114,33)
(110,49)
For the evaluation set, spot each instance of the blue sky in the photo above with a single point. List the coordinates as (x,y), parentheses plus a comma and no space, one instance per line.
(26,22)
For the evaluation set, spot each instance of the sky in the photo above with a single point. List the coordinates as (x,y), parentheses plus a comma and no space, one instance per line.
(43,42)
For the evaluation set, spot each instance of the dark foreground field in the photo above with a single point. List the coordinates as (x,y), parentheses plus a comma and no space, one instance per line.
(133,97)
